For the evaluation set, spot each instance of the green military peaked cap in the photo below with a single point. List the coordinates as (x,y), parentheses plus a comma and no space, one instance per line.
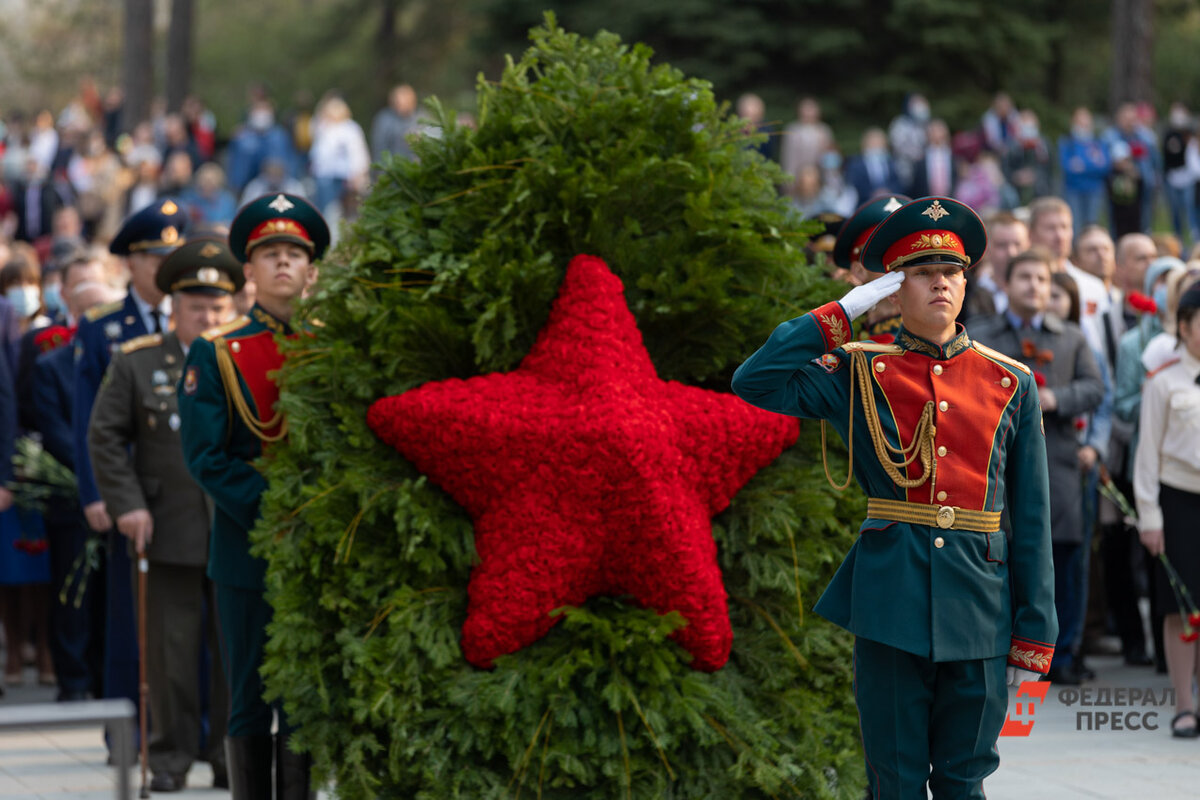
(856,230)
(202,266)
(928,230)
(278,218)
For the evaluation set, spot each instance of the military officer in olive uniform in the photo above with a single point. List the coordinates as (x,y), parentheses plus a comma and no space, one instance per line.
(227,402)
(143,241)
(945,435)
(137,456)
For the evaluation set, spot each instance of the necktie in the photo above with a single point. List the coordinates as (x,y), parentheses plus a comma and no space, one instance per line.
(156,315)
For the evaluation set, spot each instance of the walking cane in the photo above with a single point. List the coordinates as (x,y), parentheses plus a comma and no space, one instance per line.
(143,686)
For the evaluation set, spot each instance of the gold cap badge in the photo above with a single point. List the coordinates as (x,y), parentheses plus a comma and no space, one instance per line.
(935,211)
(209,250)
(170,234)
(169,207)
(208,275)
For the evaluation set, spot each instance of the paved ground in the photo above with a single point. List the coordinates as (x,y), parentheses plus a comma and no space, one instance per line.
(1054,762)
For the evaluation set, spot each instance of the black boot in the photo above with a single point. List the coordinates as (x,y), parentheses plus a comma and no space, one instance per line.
(292,773)
(248,762)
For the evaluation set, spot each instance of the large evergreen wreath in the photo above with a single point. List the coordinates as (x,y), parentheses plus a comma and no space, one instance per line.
(582,146)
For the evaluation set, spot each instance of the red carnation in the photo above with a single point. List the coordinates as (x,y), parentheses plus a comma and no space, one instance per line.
(1194,619)
(1142,304)
(1080,423)
(52,337)
(1039,379)
(1190,635)
(38,546)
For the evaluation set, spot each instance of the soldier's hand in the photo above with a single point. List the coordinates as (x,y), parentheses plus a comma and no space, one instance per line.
(97,516)
(138,526)
(1016,676)
(861,299)
(1048,398)
(1152,540)
(6,499)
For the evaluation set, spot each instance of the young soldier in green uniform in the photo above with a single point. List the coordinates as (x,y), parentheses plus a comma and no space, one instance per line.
(227,405)
(136,454)
(945,435)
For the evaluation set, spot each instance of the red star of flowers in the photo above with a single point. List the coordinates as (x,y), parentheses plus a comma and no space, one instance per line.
(585,474)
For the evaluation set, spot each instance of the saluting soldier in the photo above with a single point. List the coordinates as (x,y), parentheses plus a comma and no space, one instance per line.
(227,403)
(944,435)
(137,455)
(144,240)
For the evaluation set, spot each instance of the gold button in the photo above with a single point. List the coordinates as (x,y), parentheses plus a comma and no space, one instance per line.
(941,497)
(943,406)
(1006,382)
(235,347)
(879,366)
(937,369)
(939,543)
(942,452)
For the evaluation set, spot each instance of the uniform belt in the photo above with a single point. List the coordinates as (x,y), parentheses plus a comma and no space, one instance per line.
(958,519)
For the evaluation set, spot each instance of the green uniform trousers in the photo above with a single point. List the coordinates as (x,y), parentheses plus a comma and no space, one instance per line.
(926,722)
(244,615)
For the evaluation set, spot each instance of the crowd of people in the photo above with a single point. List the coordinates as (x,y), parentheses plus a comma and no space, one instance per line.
(1073,284)
(1114,173)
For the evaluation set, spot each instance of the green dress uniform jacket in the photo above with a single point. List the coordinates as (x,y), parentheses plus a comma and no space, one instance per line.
(137,405)
(218,443)
(935,587)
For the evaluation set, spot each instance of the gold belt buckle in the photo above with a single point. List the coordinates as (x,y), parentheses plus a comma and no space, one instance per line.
(945,516)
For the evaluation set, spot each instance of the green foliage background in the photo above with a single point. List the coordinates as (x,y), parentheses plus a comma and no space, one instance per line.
(582,146)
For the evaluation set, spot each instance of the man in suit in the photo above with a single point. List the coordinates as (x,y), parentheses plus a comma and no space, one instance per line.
(872,172)
(144,240)
(945,608)
(227,406)
(935,173)
(137,456)
(35,201)
(1064,366)
(76,626)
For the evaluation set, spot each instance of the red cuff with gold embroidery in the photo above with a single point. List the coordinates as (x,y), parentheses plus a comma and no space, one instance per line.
(834,324)
(1030,655)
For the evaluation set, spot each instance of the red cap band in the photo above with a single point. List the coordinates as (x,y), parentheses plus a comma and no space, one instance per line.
(277,228)
(922,244)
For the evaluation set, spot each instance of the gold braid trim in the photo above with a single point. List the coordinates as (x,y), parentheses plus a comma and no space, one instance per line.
(921,446)
(229,376)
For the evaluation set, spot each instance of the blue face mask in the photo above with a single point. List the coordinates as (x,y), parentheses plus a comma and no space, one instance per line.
(53,301)
(1160,297)
(24,299)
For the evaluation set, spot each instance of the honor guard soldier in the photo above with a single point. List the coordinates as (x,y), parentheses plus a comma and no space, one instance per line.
(227,403)
(137,456)
(144,240)
(879,324)
(944,435)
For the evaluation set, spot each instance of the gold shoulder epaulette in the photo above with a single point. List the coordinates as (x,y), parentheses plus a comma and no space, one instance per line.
(998,356)
(103,310)
(228,327)
(872,347)
(141,343)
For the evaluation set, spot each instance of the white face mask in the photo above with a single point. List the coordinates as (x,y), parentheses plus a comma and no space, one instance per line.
(25,299)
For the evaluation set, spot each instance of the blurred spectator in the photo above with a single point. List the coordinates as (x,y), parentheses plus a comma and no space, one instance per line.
(1007,236)
(201,127)
(1167,244)
(339,157)
(1085,166)
(21,286)
(750,108)
(1000,124)
(873,172)
(1027,160)
(1167,493)
(43,141)
(94,171)
(811,198)
(176,139)
(1126,192)
(396,121)
(273,179)
(1141,150)
(907,135)
(260,139)
(1181,167)
(176,176)
(34,201)
(144,189)
(982,186)
(1050,228)
(207,200)
(935,171)
(806,139)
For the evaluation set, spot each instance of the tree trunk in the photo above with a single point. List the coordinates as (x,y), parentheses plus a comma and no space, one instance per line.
(1132,61)
(387,50)
(179,54)
(139,61)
